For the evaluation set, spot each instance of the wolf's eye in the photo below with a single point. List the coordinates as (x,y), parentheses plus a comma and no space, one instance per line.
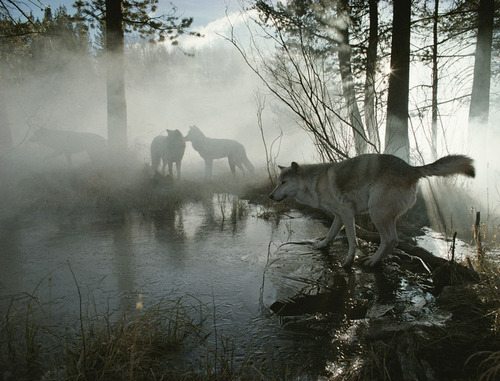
(283,182)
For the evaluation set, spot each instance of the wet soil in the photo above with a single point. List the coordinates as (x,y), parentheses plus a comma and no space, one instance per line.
(404,319)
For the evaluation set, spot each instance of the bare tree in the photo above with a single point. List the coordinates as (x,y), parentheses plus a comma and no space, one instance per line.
(312,39)
(260,100)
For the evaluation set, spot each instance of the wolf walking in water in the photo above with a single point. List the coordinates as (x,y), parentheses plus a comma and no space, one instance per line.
(384,186)
(168,149)
(68,143)
(210,149)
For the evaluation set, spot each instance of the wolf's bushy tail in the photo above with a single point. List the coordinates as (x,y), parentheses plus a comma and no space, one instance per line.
(449,165)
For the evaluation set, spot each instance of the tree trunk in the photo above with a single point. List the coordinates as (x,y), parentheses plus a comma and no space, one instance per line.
(434,81)
(344,53)
(115,82)
(6,143)
(371,65)
(480,98)
(396,136)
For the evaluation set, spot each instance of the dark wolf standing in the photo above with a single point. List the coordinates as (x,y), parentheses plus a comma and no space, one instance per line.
(70,142)
(210,149)
(384,186)
(168,149)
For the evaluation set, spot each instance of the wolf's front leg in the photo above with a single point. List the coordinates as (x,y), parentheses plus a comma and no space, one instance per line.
(208,169)
(332,233)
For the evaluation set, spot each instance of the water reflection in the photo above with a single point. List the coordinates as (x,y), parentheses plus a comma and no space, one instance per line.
(214,250)
(11,255)
(124,262)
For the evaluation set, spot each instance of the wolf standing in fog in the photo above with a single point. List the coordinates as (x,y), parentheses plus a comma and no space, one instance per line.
(384,186)
(168,149)
(210,149)
(70,142)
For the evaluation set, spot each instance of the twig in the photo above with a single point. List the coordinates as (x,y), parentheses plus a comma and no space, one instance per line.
(81,318)
(477,240)
(453,246)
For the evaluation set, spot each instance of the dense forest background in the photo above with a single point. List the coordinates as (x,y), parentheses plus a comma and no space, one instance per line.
(334,77)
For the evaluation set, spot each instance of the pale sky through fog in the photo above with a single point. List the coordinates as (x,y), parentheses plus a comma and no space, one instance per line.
(203,12)
(211,18)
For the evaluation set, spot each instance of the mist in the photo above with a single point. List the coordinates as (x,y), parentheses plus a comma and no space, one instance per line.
(86,241)
(171,88)
(166,88)
(204,82)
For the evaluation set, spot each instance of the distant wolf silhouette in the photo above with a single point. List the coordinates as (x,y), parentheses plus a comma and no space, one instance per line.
(71,142)
(210,149)
(384,186)
(168,149)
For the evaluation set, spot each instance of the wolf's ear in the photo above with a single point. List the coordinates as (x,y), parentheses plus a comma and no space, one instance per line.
(295,166)
(281,167)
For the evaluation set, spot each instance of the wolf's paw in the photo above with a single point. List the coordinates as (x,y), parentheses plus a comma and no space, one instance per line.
(369,261)
(347,265)
(320,244)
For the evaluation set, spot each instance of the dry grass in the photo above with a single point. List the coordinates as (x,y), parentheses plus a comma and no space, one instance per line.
(170,340)
(135,347)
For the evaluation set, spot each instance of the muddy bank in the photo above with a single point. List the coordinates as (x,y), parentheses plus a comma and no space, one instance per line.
(410,318)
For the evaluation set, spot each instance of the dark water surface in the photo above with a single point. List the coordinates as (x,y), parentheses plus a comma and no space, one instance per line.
(200,250)
(270,299)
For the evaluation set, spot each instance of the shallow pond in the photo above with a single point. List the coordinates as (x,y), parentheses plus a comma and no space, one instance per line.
(273,300)
(214,251)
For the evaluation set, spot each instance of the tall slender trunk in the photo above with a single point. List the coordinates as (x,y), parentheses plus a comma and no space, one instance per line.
(344,53)
(480,97)
(115,82)
(396,136)
(434,80)
(6,143)
(371,65)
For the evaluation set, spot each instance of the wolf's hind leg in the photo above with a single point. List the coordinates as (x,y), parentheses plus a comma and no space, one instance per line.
(332,233)
(386,226)
(178,167)
(170,169)
(350,231)
(242,168)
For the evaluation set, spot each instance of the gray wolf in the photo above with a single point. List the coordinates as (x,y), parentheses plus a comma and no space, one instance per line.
(70,142)
(210,149)
(168,149)
(384,186)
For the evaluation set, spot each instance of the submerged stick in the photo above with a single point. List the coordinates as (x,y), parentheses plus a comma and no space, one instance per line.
(453,246)
(477,240)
